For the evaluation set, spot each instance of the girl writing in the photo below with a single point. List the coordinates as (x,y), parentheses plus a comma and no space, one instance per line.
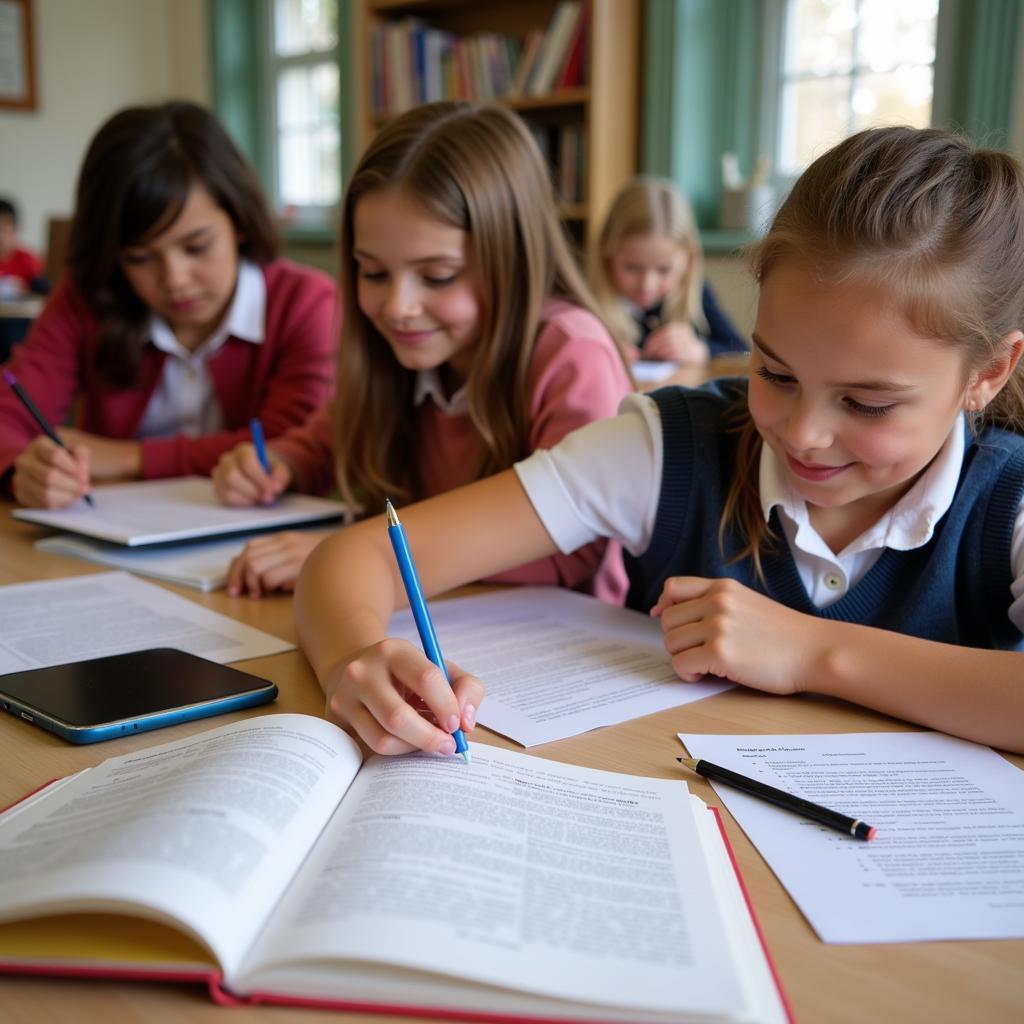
(469,339)
(849,523)
(647,270)
(175,324)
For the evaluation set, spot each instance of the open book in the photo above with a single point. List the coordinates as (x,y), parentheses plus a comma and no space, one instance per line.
(264,858)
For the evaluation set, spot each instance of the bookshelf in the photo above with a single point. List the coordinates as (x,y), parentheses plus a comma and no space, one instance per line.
(584,116)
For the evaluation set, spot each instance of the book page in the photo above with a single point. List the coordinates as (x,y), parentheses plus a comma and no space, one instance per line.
(206,831)
(512,872)
(556,663)
(53,622)
(157,511)
(948,859)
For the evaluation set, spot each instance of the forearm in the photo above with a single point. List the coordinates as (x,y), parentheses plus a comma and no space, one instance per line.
(345,594)
(977,694)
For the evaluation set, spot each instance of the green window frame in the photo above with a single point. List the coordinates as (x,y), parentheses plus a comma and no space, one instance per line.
(705,63)
(241,77)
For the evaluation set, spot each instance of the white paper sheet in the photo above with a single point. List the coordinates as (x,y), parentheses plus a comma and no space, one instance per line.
(53,622)
(556,663)
(650,371)
(948,860)
(158,511)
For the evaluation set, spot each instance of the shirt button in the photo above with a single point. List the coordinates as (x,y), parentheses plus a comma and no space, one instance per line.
(833,582)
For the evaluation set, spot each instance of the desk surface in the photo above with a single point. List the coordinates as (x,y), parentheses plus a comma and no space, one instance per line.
(932,982)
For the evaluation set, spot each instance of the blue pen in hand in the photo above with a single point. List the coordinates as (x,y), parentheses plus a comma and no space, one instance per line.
(418,607)
(256,430)
(44,424)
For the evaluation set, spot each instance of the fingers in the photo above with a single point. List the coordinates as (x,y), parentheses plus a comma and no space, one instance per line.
(271,563)
(48,476)
(239,478)
(376,693)
(679,343)
(677,589)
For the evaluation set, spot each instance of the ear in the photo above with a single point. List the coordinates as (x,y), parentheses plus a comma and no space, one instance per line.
(987,382)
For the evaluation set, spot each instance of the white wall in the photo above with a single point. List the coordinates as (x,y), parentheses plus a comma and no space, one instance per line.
(92,58)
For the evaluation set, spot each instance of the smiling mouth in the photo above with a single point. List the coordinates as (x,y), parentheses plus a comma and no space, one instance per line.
(412,337)
(813,472)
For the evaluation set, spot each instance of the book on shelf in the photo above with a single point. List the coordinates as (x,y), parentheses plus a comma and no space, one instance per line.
(265,860)
(551,59)
(573,69)
(531,48)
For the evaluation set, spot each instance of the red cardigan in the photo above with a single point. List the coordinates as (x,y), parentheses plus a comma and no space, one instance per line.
(281,380)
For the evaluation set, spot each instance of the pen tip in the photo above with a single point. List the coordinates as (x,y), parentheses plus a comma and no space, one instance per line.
(465,756)
(391,513)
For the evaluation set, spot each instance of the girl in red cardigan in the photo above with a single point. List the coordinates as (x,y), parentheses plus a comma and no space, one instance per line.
(175,324)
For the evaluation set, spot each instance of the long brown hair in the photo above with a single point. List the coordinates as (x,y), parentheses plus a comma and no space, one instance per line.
(648,205)
(135,179)
(478,169)
(936,225)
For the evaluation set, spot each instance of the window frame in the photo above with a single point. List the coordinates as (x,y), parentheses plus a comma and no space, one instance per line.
(244,98)
(707,62)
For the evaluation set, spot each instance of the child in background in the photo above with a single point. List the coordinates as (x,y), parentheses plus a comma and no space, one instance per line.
(175,325)
(470,340)
(21,271)
(647,271)
(849,522)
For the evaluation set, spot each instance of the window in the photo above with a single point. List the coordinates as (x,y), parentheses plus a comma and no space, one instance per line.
(845,65)
(304,88)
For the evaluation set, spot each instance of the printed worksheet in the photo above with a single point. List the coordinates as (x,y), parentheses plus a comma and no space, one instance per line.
(948,859)
(53,622)
(557,663)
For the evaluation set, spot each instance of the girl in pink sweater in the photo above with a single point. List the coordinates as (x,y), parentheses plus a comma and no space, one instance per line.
(175,324)
(470,340)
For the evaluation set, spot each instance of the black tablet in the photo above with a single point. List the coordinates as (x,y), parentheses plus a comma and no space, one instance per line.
(99,699)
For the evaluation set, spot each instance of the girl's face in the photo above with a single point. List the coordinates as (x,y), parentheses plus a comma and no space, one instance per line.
(850,398)
(187,273)
(415,283)
(645,268)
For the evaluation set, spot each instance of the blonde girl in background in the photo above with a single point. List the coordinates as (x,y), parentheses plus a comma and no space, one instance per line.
(470,340)
(647,271)
(849,522)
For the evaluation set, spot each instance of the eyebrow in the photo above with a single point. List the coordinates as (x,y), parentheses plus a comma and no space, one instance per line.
(192,236)
(852,385)
(438,258)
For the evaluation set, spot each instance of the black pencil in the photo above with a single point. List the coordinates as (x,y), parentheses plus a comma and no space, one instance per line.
(787,801)
(44,424)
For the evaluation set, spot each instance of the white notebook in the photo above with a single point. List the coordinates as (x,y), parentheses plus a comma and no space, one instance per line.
(202,564)
(159,511)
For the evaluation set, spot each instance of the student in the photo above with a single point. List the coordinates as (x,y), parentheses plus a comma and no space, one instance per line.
(21,270)
(175,324)
(470,340)
(647,270)
(849,523)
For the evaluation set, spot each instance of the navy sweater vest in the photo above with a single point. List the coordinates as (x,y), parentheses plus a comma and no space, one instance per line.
(955,589)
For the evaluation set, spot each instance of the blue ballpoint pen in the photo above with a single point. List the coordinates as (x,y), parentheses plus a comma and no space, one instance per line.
(256,430)
(418,606)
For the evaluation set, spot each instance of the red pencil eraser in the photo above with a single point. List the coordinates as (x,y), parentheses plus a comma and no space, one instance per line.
(871,834)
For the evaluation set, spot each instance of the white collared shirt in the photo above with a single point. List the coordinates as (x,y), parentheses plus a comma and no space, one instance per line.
(605,480)
(428,385)
(184,400)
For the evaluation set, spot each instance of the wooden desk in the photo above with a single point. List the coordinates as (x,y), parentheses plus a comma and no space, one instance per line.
(931,982)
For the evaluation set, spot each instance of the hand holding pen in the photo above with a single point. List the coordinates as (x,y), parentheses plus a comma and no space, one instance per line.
(420,612)
(250,474)
(47,473)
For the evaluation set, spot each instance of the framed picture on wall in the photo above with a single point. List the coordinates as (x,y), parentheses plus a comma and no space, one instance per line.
(17,56)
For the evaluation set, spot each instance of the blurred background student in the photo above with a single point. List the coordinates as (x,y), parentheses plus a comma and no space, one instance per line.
(21,270)
(470,340)
(175,323)
(647,271)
